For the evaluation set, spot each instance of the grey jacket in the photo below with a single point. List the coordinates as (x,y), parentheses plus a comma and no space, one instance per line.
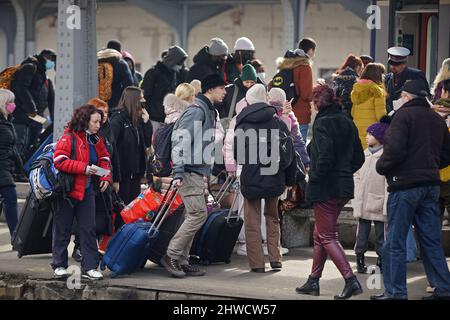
(193,133)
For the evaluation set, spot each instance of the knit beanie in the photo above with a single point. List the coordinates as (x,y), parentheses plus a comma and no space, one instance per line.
(378,130)
(248,73)
(218,47)
(212,81)
(277,97)
(244,44)
(256,94)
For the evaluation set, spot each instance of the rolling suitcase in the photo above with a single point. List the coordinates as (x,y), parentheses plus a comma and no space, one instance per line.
(128,250)
(29,163)
(33,234)
(216,239)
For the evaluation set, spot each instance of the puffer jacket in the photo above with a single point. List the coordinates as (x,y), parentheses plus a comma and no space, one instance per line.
(230,163)
(174,108)
(303,81)
(77,166)
(204,66)
(370,202)
(8,153)
(343,85)
(369,106)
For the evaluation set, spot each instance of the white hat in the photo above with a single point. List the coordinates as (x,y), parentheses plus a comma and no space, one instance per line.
(244,44)
(256,94)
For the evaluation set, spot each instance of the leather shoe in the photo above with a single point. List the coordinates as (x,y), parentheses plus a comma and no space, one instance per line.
(311,287)
(384,296)
(276,265)
(352,288)
(259,270)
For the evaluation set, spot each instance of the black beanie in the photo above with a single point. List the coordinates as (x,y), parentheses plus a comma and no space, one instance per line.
(212,81)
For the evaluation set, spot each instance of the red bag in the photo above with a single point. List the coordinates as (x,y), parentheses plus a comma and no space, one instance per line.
(145,206)
(176,204)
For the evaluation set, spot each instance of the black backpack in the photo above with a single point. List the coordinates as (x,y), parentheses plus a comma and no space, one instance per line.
(285,81)
(161,164)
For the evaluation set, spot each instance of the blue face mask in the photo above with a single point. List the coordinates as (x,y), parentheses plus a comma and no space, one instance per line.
(49,65)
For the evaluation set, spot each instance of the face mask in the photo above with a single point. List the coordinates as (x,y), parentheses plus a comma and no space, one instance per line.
(261,75)
(10,107)
(176,68)
(398,103)
(49,65)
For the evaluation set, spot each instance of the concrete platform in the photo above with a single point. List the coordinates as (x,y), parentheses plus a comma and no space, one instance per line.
(233,281)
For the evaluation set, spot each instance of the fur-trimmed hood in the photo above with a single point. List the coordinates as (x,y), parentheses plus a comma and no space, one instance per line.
(108,54)
(174,107)
(364,90)
(291,63)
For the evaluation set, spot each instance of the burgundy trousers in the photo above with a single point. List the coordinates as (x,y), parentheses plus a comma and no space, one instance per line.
(326,241)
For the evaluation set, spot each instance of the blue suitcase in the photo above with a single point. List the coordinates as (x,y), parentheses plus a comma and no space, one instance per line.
(128,250)
(29,163)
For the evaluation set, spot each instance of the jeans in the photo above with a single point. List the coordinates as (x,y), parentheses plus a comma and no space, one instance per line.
(326,241)
(304,131)
(421,207)
(9,196)
(411,247)
(363,233)
(22,138)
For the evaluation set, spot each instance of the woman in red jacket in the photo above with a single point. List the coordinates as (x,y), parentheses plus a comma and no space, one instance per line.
(90,150)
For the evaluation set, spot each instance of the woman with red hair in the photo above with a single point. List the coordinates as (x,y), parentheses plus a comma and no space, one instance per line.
(345,78)
(90,150)
(336,154)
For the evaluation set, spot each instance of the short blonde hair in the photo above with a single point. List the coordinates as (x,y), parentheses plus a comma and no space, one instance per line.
(185,91)
(6,96)
(197,85)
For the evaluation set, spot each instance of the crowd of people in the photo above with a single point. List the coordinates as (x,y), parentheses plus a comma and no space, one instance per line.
(378,139)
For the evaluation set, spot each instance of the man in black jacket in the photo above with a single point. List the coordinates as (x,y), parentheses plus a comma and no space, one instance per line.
(27,86)
(417,145)
(161,79)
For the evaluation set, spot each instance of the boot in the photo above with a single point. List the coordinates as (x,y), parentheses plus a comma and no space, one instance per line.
(352,288)
(311,287)
(361,266)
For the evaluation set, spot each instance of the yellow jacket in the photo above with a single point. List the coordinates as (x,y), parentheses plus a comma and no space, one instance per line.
(445,173)
(369,106)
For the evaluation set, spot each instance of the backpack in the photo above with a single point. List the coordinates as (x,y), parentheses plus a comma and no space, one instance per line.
(105,80)
(162,160)
(45,180)
(285,81)
(7,76)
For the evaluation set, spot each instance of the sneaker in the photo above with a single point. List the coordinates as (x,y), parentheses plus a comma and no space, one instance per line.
(283,251)
(192,271)
(242,250)
(445,223)
(93,275)
(172,266)
(60,273)
(429,289)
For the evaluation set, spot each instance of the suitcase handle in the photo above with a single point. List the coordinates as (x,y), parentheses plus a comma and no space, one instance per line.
(232,206)
(223,189)
(168,201)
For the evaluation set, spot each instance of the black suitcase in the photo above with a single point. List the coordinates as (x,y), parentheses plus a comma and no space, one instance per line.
(33,234)
(167,230)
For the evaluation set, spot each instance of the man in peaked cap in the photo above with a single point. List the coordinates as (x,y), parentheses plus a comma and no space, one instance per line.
(400,73)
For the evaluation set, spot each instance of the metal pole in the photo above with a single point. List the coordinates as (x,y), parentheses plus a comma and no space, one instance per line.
(184,28)
(301,18)
(392,9)
(373,38)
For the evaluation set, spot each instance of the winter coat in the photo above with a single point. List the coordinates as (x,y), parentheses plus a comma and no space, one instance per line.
(416,146)
(228,145)
(47,99)
(370,202)
(137,76)
(203,66)
(343,86)
(438,92)
(256,184)
(122,77)
(174,108)
(369,105)
(8,153)
(303,81)
(158,82)
(77,166)
(131,143)
(27,86)
(189,143)
(232,71)
(394,84)
(445,173)
(336,154)
(106,133)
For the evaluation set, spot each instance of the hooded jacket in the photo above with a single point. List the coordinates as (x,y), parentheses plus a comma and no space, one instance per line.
(122,77)
(259,180)
(8,153)
(203,66)
(303,81)
(336,154)
(174,108)
(369,106)
(77,166)
(160,80)
(137,76)
(26,86)
(416,146)
(343,86)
